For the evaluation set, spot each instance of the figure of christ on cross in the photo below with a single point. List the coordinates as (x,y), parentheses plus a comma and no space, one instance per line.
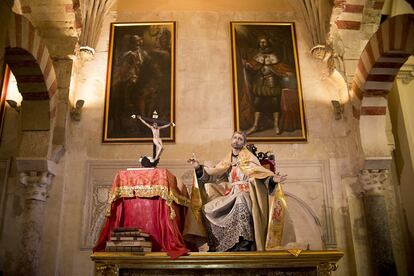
(156,139)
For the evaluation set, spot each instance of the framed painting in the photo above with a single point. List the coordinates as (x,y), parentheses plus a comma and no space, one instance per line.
(267,94)
(3,93)
(140,81)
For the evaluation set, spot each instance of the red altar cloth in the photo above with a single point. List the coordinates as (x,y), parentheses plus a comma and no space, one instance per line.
(150,200)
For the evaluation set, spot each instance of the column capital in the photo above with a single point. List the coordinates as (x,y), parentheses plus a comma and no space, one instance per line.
(36,175)
(372,181)
(406,73)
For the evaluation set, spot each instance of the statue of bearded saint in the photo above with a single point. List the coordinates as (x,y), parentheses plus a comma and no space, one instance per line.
(230,192)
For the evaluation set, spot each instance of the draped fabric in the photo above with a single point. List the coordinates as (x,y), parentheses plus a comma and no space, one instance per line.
(151,216)
(228,218)
(148,183)
(149,200)
(269,233)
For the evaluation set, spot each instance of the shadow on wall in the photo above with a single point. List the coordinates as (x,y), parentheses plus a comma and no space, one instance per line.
(308,228)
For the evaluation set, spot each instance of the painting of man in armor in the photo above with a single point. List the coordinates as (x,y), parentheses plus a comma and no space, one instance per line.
(267,92)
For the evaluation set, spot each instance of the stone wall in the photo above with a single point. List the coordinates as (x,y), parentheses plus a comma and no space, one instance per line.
(204,125)
(203,83)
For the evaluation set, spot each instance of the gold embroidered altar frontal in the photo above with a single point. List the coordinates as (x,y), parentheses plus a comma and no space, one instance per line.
(268,263)
(147,183)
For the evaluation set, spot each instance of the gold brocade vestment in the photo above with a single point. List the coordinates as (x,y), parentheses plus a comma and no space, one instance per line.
(268,211)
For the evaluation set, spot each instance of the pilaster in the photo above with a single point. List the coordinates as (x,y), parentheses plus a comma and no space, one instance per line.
(372,182)
(36,175)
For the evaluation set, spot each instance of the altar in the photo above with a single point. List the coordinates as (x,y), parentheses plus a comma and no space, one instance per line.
(148,199)
(283,262)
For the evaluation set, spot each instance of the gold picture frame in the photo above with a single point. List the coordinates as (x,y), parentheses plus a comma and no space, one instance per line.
(140,81)
(267,94)
(3,94)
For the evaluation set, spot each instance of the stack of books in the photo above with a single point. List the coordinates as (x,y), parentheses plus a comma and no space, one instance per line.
(124,239)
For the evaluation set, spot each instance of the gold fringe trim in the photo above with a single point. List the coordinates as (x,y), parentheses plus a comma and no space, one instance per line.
(148,192)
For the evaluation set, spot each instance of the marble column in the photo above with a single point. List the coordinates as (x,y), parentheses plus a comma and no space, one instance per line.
(372,182)
(36,176)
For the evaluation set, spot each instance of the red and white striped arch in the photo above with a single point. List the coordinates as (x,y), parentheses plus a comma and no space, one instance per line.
(383,56)
(30,62)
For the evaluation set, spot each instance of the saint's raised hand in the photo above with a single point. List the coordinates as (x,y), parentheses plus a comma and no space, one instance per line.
(279,178)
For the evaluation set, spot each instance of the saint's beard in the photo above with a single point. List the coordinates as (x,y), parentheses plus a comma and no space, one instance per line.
(236,146)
